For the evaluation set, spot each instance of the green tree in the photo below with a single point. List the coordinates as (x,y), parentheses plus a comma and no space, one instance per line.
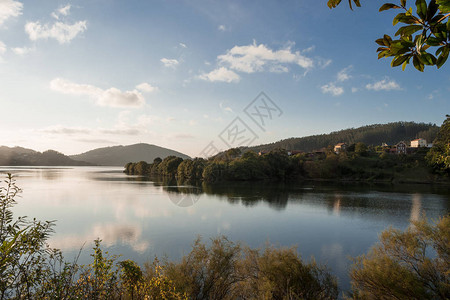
(410,264)
(439,155)
(427,27)
(361,148)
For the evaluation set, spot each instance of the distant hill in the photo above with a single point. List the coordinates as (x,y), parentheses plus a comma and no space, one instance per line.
(376,134)
(121,155)
(18,156)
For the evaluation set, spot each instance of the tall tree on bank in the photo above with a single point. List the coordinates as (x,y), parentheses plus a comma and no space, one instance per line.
(439,155)
(426,29)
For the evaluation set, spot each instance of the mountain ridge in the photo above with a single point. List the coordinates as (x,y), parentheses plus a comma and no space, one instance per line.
(19,156)
(121,155)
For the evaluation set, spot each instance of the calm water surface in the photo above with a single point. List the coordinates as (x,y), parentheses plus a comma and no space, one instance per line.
(138,218)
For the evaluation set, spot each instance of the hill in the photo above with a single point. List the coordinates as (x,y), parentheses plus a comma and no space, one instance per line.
(121,155)
(18,156)
(376,134)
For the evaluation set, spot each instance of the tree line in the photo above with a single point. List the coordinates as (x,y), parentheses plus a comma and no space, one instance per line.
(360,162)
(375,134)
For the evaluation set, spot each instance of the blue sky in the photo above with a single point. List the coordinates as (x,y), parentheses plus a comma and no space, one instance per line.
(77,75)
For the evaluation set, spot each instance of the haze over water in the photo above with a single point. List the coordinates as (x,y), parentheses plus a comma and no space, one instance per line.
(138,218)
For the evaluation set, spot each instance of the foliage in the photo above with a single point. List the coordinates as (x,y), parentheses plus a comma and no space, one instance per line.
(191,169)
(427,28)
(279,273)
(439,156)
(23,250)
(226,270)
(413,264)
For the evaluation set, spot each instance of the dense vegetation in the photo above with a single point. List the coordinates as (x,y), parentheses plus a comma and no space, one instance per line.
(18,156)
(360,162)
(376,134)
(399,267)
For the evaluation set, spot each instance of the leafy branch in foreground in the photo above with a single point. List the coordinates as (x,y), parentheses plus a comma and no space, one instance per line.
(426,28)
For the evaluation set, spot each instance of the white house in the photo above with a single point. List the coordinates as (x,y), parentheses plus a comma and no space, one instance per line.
(341,147)
(419,143)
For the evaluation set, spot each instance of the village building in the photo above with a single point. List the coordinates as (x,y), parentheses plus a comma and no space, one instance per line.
(419,143)
(341,147)
(401,148)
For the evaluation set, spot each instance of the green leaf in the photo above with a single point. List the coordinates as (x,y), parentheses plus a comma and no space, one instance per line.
(427,59)
(387,6)
(418,64)
(333,3)
(448,24)
(403,18)
(380,42)
(398,60)
(422,9)
(432,41)
(408,30)
(403,3)
(443,57)
(432,9)
(405,63)
(444,6)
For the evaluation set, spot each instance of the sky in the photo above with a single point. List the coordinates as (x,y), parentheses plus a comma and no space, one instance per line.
(199,76)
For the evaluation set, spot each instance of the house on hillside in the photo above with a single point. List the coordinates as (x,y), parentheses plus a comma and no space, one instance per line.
(401,148)
(419,143)
(340,147)
(262,152)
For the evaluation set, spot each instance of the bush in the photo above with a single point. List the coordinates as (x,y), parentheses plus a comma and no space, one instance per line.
(413,264)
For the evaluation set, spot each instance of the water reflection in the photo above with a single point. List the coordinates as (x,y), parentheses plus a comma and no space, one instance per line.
(416,208)
(140,217)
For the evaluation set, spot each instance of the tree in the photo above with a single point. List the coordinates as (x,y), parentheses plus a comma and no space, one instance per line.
(426,29)
(439,155)
(410,264)
(361,148)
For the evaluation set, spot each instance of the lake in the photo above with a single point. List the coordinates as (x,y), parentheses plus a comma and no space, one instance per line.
(140,218)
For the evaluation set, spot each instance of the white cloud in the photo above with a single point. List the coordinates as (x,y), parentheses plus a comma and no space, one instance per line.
(111,97)
(63,11)
(146,87)
(60,31)
(354,90)
(221,74)
(332,89)
(225,108)
(22,50)
(344,75)
(383,85)
(183,45)
(116,98)
(2,48)
(59,129)
(170,63)
(323,63)
(253,58)
(8,9)
(222,28)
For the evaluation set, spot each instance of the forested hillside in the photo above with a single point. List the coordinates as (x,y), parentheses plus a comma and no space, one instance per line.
(376,134)
(18,156)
